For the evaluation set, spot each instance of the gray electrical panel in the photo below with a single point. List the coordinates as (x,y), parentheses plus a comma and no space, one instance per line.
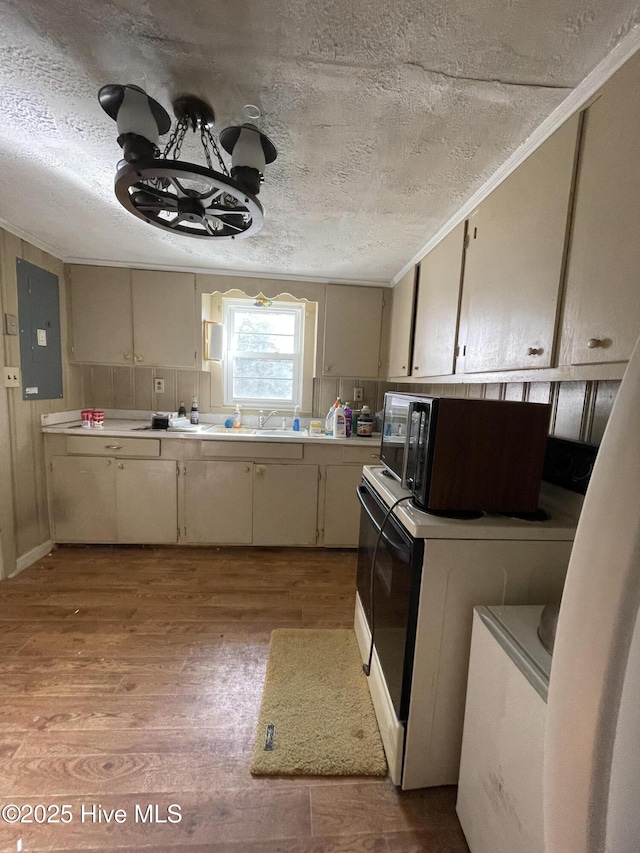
(39,320)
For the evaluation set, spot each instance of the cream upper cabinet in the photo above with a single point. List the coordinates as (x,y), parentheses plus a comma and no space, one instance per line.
(601,317)
(122,316)
(436,323)
(514,261)
(164,318)
(352,328)
(101,315)
(402,325)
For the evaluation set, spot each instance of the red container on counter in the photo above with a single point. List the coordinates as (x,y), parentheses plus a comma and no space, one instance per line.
(87,418)
(97,420)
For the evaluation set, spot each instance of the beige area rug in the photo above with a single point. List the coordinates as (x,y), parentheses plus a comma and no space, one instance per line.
(316,717)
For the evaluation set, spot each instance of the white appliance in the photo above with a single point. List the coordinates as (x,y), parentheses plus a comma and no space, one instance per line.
(492,560)
(592,759)
(500,787)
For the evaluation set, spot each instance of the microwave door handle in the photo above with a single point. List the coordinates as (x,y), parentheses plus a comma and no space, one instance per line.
(414,430)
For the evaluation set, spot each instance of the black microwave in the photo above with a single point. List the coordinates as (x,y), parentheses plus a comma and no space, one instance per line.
(458,455)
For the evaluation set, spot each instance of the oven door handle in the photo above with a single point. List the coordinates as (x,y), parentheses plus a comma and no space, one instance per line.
(363,495)
(400,549)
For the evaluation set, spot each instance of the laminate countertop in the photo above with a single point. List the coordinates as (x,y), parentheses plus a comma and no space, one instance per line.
(132,426)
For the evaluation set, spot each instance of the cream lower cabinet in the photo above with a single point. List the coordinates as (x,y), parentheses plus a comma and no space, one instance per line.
(146,501)
(250,503)
(285,504)
(218,503)
(104,500)
(83,499)
(341,525)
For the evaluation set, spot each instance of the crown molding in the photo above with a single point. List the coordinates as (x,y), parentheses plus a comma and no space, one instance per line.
(29,238)
(93,262)
(572,104)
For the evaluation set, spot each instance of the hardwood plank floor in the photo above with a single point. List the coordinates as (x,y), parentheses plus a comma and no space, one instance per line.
(133,676)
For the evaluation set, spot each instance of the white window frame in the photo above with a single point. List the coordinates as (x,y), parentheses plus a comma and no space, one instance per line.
(229,308)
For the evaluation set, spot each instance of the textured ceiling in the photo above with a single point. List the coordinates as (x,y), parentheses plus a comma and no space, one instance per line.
(386,116)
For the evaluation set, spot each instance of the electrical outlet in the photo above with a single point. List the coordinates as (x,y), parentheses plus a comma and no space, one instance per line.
(358,395)
(158,386)
(11,377)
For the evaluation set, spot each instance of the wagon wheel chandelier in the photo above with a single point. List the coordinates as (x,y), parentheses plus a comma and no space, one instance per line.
(186,198)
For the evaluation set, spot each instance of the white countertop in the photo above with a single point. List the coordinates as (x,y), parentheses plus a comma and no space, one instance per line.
(561,506)
(127,425)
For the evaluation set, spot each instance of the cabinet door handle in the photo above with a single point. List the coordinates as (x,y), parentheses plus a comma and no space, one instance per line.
(327,368)
(126,356)
(247,469)
(534,351)
(593,343)
(415,367)
(260,470)
(120,465)
(113,446)
(138,358)
(404,367)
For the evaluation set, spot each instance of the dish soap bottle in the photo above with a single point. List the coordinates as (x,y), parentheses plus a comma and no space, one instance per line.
(296,419)
(348,418)
(339,422)
(194,411)
(237,418)
(182,410)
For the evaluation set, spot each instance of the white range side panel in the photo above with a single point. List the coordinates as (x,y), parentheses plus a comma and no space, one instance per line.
(459,575)
(500,788)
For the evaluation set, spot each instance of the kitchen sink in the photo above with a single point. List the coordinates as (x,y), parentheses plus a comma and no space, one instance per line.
(230,430)
(281,433)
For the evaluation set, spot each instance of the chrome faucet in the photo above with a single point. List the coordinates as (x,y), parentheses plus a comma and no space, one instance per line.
(262,418)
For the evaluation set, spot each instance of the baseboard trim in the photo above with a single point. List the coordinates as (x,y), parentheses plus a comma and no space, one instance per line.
(23,562)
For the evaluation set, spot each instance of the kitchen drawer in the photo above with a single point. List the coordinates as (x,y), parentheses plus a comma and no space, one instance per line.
(106,445)
(253,450)
(364,455)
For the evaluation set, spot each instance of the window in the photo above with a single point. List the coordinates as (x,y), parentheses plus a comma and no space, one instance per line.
(264,353)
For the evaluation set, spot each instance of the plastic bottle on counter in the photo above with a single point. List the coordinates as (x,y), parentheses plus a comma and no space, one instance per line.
(339,422)
(182,410)
(365,423)
(348,418)
(237,418)
(194,411)
(328,421)
(296,419)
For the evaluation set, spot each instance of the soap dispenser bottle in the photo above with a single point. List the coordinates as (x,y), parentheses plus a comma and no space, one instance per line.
(296,419)
(194,411)
(237,418)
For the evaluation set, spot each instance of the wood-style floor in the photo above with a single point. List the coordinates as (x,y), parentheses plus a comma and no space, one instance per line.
(133,676)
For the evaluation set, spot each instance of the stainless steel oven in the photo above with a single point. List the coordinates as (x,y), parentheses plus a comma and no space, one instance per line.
(389,593)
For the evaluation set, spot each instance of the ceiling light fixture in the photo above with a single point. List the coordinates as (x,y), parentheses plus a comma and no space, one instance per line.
(185,198)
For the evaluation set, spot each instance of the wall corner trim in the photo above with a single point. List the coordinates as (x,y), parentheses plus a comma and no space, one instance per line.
(23,562)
